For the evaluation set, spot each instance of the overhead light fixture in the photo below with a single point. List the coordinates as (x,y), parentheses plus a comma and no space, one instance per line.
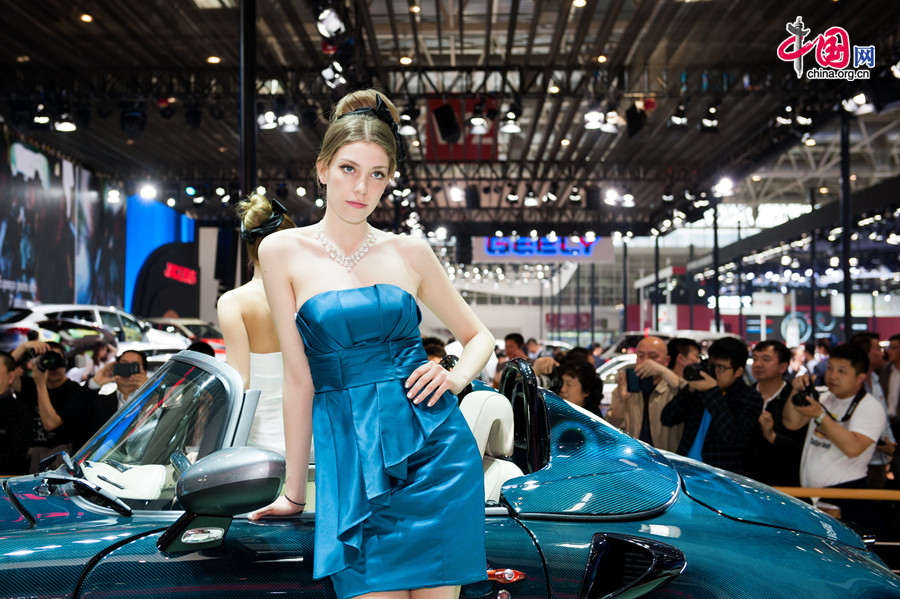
(602,58)
(148,191)
(23,58)
(786,117)
(895,69)
(564,142)
(213,59)
(575,194)
(65,123)
(133,119)
(756,178)
(679,117)
(611,198)
(320,203)
(406,60)
(333,75)
(407,118)
(627,200)
(267,120)
(170,202)
(710,121)
(41,116)
(86,18)
(456,194)
(860,104)
(553,88)
(415,9)
(531,200)
(261,190)
(220,191)
(329,23)
(289,122)
(226,198)
(197,200)
(301,191)
(579,3)
(113,196)
(510,125)
(808,140)
(823,190)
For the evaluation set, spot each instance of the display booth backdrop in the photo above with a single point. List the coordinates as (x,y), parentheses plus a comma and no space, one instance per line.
(60,241)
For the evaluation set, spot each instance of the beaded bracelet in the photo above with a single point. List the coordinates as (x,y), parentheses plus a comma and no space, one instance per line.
(294,502)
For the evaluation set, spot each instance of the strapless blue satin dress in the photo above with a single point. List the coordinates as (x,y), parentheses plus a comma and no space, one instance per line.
(399,486)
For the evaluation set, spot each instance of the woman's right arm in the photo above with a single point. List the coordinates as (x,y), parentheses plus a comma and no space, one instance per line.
(237,343)
(275,253)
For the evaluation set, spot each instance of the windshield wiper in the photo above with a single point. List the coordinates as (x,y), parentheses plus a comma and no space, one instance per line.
(81,484)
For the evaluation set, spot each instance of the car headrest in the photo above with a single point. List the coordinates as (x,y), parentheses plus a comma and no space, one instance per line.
(490,416)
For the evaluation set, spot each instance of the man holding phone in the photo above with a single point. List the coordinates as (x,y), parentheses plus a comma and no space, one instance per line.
(129,372)
(643,392)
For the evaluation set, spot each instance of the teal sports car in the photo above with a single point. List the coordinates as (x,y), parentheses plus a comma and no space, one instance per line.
(155,505)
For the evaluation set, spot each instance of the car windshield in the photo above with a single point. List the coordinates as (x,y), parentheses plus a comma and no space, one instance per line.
(14,315)
(183,408)
(204,331)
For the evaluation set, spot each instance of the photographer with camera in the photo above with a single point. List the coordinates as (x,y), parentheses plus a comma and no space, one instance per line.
(14,421)
(642,394)
(129,372)
(842,426)
(719,411)
(774,450)
(55,402)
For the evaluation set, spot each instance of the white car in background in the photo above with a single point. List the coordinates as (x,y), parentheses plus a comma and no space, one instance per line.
(131,332)
(607,372)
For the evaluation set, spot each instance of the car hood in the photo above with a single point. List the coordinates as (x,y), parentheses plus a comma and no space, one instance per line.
(594,470)
(747,500)
(48,558)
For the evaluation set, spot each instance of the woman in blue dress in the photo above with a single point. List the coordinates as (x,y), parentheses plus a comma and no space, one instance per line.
(399,483)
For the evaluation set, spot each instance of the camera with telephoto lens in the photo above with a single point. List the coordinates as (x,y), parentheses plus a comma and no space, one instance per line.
(801,398)
(692,371)
(49,360)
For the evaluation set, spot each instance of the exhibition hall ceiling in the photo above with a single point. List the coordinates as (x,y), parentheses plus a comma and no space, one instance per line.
(549,62)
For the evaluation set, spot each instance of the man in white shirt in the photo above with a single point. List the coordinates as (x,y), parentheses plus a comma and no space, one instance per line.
(842,428)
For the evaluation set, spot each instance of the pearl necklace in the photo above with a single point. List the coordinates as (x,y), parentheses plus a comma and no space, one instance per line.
(338,256)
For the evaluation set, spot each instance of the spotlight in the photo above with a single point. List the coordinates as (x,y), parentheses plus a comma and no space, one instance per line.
(86,18)
(531,200)
(198,200)
(213,59)
(289,121)
(41,118)
(611,198)
(510,125)
(333,75)
(133,119)
(786,117)
(710,121)
(301,191)
(226,198)
(635,119)
(266,119)
(407,119)
(668,196)
(220,191)
(167,107)
(627,200)
(148,191)
(553,88)
(65,123)
(193,115)
(320,202)
(679,117)
(477,122)
(190,190)
(575,194)
(859,104)
(261,190)
(170,202)
(329,23)
(113,196)
(406,60)
(512,197)
(456,194)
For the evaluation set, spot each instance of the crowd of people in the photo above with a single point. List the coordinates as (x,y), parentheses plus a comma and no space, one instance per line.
(812,416)
(47,405)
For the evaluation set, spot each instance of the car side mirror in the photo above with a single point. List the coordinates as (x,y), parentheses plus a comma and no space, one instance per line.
(216,488)
(145,326)
(120,333)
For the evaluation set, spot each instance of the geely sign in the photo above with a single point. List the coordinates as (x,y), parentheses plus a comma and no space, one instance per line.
(542,249)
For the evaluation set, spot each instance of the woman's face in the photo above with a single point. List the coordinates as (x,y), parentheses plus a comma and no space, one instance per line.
(355,180)
(571,390)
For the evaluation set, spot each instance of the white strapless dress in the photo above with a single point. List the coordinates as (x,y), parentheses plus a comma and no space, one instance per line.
(267,430)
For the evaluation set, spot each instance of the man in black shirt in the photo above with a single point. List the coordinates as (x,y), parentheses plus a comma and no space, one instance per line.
(54,403)
(721,413)
(14,421)
(774,450)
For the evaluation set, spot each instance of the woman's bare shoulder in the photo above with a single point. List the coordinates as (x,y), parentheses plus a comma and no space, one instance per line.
(238,297)
(287,240)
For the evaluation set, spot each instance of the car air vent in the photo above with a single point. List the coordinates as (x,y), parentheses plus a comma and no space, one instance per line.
(620,565)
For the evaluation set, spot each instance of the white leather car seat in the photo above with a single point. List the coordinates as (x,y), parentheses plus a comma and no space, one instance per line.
(490,416)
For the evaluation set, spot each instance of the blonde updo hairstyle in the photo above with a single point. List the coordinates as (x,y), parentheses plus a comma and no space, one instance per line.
(359,127)
(253,212)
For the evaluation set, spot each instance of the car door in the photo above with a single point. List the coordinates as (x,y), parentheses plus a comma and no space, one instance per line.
(132,328)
